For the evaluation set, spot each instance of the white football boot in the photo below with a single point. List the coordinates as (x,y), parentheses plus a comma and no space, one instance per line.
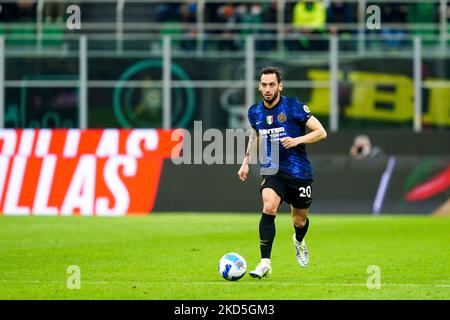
(263,269)
(301,252)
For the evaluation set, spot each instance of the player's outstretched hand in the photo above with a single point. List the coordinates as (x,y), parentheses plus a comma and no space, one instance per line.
(289,142)
(243,172)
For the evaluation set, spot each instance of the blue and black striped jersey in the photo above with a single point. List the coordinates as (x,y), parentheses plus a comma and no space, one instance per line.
(286,119)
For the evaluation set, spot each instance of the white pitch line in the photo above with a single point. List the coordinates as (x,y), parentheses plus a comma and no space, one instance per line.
(256,282)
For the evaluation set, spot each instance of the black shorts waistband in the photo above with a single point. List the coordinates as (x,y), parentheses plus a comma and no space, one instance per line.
(287,176)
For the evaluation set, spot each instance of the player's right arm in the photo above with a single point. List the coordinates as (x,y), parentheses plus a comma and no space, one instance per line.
(251,151)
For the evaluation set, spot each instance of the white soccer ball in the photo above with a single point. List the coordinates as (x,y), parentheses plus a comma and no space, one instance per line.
(232,266)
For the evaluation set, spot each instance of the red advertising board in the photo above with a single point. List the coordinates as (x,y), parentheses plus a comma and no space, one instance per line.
(107,172)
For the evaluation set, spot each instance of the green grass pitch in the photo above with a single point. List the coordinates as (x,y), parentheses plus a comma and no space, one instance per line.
(175,256)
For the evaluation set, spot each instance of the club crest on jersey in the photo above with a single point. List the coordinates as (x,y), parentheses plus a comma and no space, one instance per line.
(269,119)
(281,117)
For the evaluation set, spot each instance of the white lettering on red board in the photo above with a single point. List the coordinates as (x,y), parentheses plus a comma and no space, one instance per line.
(20,147)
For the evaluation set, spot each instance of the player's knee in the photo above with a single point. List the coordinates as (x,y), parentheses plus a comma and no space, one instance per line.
(299,221)
(270,207)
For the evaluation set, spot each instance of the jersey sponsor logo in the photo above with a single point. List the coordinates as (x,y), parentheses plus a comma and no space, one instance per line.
(269,119)
(281,117)
(271,131)
(306,109)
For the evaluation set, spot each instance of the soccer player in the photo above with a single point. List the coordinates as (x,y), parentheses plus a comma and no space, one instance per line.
(280,122)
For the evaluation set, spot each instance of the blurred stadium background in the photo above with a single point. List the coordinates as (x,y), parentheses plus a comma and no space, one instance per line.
(162,65)
(91,95)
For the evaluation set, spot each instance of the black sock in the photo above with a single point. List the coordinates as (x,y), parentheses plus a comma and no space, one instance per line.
(266,234)
(301,232)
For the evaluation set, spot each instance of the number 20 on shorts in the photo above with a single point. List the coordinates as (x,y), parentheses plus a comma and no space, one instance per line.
(305,192)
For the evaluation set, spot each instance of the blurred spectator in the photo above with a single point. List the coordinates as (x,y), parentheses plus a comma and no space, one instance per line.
(229,16)
(26,10)
(167,12)
(308,18)
(362,149)
(269,12)
(251,17)
(339,12)
(309,15)
(188,13)
(54,11)
(175,18)
(393,13)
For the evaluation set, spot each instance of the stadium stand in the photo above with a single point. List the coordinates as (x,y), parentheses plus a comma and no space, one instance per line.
(221,23)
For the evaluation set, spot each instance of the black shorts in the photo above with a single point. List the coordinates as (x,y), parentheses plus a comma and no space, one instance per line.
(294,191)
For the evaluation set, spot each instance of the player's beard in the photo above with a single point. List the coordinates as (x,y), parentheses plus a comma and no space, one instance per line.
(270,101)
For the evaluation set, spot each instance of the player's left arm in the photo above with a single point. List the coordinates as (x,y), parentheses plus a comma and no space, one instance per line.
(317,133)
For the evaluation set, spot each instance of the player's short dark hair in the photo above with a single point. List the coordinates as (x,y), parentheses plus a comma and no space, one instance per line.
(271,70)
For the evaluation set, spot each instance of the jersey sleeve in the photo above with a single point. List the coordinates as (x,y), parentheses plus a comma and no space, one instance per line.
(301,111)
(252,118)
